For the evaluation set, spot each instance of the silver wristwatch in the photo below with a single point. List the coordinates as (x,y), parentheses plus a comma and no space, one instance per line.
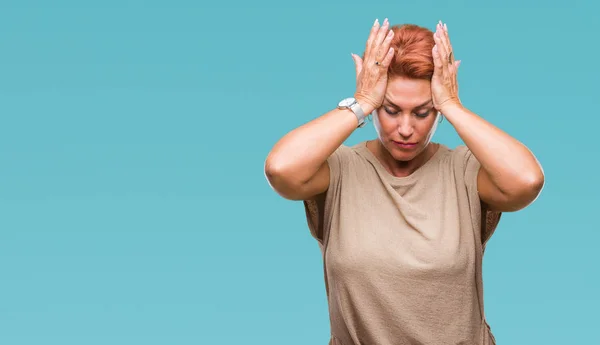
(352,104)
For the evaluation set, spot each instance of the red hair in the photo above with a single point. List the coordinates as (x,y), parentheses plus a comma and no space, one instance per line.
(412,52)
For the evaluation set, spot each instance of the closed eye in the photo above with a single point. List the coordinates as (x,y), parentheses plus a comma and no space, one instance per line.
(418,114)
(389,111)
(424,113)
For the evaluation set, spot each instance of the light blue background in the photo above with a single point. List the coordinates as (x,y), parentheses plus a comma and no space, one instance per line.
(134,209)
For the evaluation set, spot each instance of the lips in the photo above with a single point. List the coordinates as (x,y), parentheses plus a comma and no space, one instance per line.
(404,145)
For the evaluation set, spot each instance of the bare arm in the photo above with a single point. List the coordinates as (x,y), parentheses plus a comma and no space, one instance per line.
(296,167)
(510,177)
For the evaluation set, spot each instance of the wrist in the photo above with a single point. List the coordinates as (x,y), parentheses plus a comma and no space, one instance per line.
(449,107)
(366,107)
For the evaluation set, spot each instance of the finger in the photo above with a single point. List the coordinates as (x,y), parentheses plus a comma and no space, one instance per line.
(454,68)
(372,36)
(381,34)
(385,47)
(441,53)
(357,64)
(447,36)
(437,61)
(387,60)
(443,29)
(439,40)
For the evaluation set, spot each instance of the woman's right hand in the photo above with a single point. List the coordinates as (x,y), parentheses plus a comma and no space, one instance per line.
(372,72)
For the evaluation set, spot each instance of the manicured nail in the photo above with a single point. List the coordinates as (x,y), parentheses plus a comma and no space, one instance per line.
(445,27)
(376,21)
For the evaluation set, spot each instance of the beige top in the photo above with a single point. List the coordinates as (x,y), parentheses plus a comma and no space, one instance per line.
(402,256)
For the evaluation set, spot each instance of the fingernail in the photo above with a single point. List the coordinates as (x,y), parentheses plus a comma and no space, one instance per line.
(385,21)
(376,21)
(445,27)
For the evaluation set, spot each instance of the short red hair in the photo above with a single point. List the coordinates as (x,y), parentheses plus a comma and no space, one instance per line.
(412,52)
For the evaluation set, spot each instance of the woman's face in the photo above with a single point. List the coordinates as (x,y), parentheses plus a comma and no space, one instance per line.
(407,120)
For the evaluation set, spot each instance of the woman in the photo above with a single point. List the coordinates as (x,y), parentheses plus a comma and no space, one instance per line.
(402,222)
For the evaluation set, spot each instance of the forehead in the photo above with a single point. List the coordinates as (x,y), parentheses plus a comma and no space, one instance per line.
(407,93)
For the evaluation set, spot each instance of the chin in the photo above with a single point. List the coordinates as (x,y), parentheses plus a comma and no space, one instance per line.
(403,155)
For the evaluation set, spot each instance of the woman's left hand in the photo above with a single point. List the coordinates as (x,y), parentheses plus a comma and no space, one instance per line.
(444,84)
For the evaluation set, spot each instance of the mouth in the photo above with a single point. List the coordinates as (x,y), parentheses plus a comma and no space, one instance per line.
(404,144)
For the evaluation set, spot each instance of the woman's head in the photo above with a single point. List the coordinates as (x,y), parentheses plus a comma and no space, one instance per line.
(407,120)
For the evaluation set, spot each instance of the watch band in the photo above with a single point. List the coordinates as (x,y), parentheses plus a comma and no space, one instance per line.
(360,114)
(354,106)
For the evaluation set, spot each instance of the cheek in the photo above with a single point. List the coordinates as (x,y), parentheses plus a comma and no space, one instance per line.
(425,126)
(429,127)
(377,122)
(383,123)
(386,126)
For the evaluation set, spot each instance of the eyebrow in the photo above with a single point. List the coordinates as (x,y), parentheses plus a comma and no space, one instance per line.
(418,106)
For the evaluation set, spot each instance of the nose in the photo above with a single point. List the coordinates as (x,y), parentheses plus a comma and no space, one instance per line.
(405,126)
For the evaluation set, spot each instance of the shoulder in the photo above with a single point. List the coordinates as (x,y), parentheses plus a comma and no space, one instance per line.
(345,156)
(459,166)
(348,151)
(462,161)
(466,169)
(461,154)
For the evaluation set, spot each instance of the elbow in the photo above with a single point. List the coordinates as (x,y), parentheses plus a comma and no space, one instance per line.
(512,192)
(529,182)
(279,178)
(533,182)
(273,171)
(276,169)
(536,183)
(530,187)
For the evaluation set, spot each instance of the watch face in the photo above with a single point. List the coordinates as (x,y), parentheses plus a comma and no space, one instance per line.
(346,102)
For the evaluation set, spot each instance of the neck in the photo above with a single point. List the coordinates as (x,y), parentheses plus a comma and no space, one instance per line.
(402,168)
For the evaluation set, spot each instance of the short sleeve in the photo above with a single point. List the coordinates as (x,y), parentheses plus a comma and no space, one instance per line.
(318,210)
(488,219)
